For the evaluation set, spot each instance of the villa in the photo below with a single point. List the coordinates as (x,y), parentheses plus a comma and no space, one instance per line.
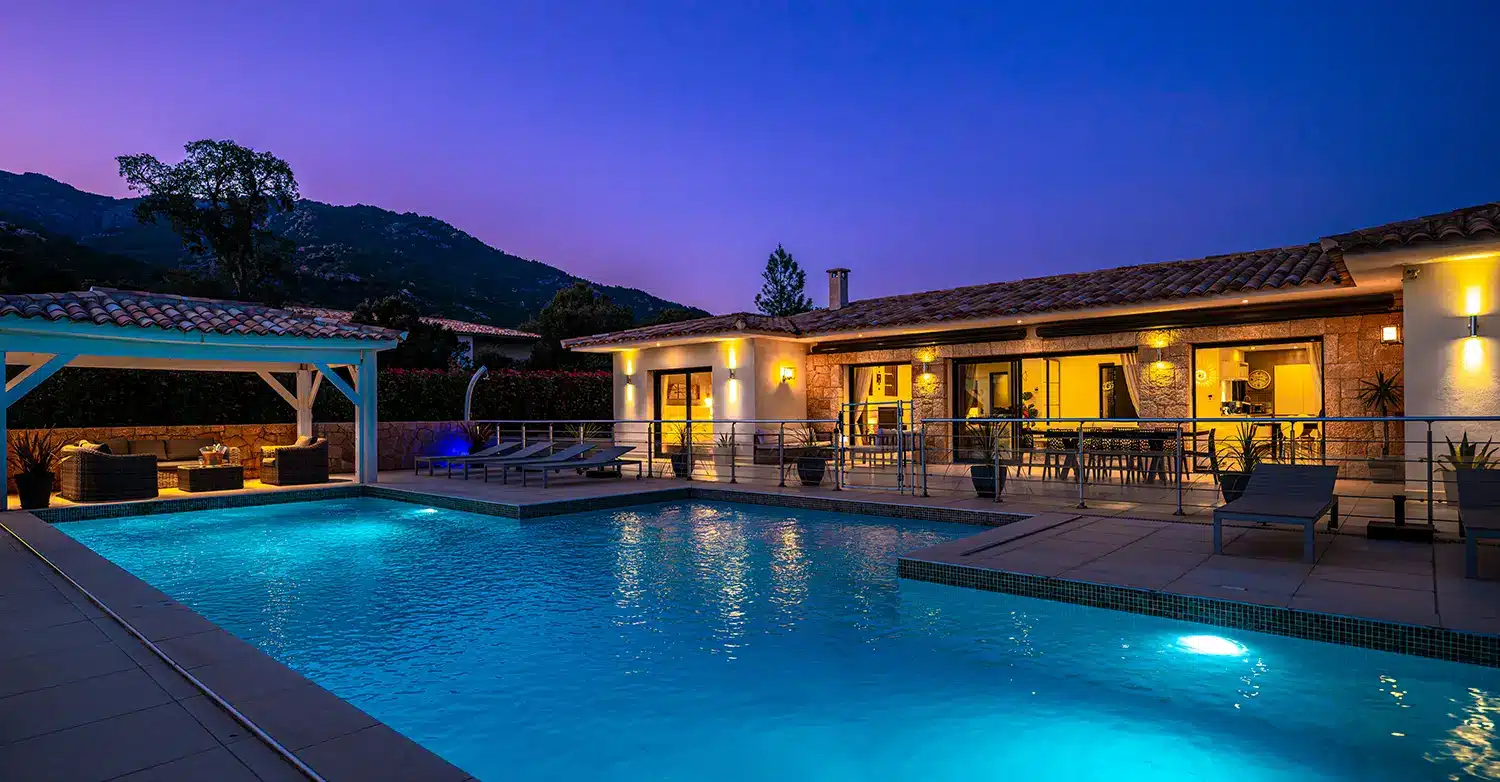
(1284,332)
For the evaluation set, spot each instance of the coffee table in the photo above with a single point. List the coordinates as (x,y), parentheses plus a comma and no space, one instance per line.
(217,477)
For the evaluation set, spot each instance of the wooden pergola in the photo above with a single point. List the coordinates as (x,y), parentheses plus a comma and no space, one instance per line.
(114,329)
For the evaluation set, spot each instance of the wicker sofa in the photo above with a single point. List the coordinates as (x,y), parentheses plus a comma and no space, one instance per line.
(88,475)
(170,454)
(296,464)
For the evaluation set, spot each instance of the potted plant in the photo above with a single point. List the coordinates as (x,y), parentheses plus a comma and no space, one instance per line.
(723,453)
(989,449)
(812,457)
(31,460)
(1245,452)
(682,466)
(1463,455)
(477,434)
(1382,396)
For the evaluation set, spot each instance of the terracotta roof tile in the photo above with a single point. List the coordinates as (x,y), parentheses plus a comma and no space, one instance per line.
(455,326)
(108,306)
(1286,267)
(1473,222)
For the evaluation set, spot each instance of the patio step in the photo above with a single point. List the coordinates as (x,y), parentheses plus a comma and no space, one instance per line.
(956,550)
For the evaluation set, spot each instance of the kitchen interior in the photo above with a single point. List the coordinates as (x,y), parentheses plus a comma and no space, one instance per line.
(1259,382)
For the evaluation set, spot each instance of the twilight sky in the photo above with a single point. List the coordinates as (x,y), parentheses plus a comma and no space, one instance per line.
(670,146)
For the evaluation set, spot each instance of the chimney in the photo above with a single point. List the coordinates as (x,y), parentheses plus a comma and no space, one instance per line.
(838,288)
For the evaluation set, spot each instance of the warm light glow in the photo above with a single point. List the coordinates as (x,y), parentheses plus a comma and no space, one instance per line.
(787,373)
(927,356)
(1210,644)
(731,388)
(1473,354)
(708,402)
(629,369)
(629,394)
(1244,301)
(1389,334)
(730,363)
(1473,301)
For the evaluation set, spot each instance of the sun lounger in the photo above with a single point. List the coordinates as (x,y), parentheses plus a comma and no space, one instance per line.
(531,451)
(1284,494)
(505,465)
(499,449)
(1478,513)
(603,458)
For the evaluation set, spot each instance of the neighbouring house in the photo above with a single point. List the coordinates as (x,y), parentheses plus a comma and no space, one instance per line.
(1285,332)
(476,341)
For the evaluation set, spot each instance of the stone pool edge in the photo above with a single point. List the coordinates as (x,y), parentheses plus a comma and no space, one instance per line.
(334,738)
(1380,635)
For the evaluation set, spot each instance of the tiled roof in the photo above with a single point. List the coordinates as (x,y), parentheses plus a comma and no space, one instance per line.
(455,326)
(108,306)
(733,323)
(1282,268)
(1474,222)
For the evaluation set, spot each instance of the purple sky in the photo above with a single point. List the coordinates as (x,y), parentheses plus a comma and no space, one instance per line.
(672,146)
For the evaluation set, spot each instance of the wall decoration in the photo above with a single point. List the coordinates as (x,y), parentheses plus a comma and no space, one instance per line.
(1260,380)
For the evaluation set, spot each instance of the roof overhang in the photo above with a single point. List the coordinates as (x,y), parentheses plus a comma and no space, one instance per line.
(23,340)
(689,339)
(1383,265)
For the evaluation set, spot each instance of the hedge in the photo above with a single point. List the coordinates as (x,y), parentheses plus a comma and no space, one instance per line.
(130,397)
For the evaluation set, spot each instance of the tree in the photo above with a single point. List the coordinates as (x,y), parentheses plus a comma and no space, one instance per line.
(218,200)
(427,346)
(576,311)
(784,292)
(672,315)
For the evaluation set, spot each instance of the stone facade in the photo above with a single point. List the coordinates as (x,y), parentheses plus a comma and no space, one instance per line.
(400,441)
(1352,352)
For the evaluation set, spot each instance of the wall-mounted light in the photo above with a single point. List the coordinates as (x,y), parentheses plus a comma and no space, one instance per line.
(787,373)
(731,373)
(1159,359)
(1473,325)
(1390,335)
(630,380)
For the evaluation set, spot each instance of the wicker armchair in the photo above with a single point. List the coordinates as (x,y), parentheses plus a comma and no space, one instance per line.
(92,476)
(292,465)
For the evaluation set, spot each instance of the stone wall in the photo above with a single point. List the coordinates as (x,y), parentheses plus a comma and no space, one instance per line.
(399,441)
(1352,352)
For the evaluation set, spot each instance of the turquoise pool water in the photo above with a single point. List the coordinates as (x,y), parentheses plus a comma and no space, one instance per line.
(710,641)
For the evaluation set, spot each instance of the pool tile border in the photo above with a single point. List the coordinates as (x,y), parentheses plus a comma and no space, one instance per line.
(113,510)
(1419,640)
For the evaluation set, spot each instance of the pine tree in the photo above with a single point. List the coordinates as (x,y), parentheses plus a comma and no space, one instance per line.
(784,292)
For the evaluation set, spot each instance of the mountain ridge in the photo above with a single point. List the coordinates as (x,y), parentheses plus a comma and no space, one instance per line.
(344,254)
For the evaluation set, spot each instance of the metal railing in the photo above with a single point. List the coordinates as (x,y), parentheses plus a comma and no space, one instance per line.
(1162,462)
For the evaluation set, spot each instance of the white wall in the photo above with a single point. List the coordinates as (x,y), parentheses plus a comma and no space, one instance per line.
(756,391)
(1446,371)
(773,398)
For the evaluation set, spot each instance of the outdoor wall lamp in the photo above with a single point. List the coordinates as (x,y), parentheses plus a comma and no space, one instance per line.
(1473,325)
(1390,335)
(787,373)
(630,380)
(731,373)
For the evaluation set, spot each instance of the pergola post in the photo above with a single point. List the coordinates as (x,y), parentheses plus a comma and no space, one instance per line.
(366,420)
(13,390)
(307,393)
(4,444)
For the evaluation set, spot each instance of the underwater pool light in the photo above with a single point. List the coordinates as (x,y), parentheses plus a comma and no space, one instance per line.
(1210,644)
(428,510)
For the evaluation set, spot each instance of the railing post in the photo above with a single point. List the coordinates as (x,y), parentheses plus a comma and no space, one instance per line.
(732,442)
(523,434)
(923,446)
(1429,472)
(838,454)
(650,451)
(551,435)
(995,476)
(781,451)
(1079,467)
(689,438)
(1181,454)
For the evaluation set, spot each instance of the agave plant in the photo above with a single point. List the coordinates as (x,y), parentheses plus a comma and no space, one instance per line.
(1464,455)
(1382,396)
(478,434)
(1244,449)
(34,452)
(588,431)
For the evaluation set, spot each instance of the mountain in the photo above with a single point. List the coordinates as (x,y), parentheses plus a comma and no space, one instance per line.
(344,254)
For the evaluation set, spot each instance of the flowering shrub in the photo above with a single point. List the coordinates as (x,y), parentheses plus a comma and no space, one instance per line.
(129,397)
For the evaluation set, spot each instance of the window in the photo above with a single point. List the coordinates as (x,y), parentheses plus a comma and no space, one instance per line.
(684,395)
(1259,381)
(879,396)
(1097,385)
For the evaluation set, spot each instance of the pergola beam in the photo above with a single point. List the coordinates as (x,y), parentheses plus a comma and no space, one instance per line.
(32,376)
(344,388)
(280,389)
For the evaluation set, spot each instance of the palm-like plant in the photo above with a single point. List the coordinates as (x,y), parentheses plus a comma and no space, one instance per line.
(34,452)
(1382,396)
(1245,450)
(478,434)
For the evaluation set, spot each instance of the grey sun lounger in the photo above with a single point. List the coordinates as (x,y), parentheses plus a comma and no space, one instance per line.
(505,465)
(1478,512)
(499,449)
(525,452)
(1284,494)
(605,457)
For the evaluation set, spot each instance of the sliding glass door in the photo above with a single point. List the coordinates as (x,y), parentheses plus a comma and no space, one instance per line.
(684,396)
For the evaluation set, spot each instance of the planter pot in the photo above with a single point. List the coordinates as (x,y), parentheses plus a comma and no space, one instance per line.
(723,457)
(681,467)
(35,489)
(1233,484)
(983,477)
(1387,469)
(1450,486)
(811,469)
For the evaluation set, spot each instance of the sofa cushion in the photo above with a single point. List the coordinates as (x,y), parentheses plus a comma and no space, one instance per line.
(303,441)
(157,448)
(187,449)
(117,445)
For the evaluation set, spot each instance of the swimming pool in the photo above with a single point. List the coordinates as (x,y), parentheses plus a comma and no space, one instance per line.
(703,640)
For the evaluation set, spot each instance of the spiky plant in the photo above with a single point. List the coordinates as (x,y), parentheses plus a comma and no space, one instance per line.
(34,452)
(477,433)
(1464,455)
(1382,396)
